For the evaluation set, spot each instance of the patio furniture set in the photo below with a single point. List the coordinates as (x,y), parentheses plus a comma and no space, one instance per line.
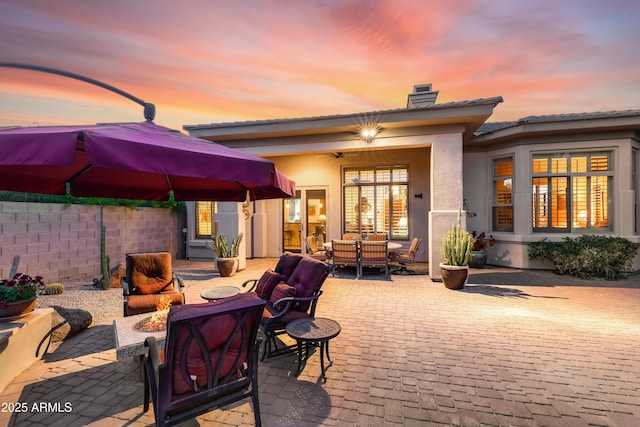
(210,355)
(373,252)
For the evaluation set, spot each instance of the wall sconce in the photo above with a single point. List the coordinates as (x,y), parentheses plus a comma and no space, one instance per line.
(368,128)
(418,196)
(368,134)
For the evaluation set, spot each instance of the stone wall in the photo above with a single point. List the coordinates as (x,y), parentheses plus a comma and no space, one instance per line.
(57,241)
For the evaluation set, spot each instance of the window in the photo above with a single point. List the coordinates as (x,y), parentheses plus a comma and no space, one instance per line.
(634,186)
(205,217)
(503,194)
(571,191)
(375,201)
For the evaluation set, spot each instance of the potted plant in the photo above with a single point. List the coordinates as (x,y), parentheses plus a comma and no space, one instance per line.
(18,295)
(478,255)
(226,254)
(456,248)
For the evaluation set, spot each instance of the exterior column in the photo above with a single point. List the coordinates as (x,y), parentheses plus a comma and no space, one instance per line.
(260,226)
(230,219)
(446,195)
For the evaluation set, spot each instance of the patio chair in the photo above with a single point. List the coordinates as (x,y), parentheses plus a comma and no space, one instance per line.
(291,292)
(374,254)
(346,253)
(311,245)
(210,359)
(406,258)
(377,237)
(149,277)
(351,236)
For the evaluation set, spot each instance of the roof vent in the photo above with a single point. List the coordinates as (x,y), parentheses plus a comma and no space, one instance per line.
(422,96)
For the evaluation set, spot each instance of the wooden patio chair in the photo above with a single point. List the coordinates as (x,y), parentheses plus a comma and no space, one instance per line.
(210,359)
(377,237)
(346,253)
(406,258)
(374,254)
(313,250)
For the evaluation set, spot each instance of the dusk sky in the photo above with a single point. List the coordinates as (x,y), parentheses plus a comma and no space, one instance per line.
(204,61)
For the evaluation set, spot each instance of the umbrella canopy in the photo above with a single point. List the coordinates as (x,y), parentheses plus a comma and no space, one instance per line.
(141,161)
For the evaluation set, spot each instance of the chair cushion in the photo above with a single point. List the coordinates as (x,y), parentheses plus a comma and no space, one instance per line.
(307,279)
(149,273)
(289,316)
(267,284)
(216,330)
(137,304)
(287,263)
(282,291)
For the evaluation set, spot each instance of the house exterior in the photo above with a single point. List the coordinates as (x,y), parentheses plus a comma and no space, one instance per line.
(407,172)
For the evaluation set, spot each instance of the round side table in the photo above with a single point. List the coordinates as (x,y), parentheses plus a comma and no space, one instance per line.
(309,331)
(220,292)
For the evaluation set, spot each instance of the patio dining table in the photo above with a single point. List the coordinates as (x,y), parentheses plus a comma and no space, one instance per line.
(390,246)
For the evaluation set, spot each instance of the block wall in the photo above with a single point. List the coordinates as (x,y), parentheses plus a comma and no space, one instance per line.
(57,241)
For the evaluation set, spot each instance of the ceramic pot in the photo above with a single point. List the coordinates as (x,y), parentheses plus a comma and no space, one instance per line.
(18,308)
(454,276)
(478,259)
(227,267)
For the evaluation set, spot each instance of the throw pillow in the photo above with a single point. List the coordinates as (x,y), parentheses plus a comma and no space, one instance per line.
(267,284)
(282,291)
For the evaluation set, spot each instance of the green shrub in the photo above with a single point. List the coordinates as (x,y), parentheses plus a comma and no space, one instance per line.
(54,289)
(588,256)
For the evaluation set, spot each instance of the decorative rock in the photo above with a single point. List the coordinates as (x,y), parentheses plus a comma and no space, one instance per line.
(67,322)
(117,273)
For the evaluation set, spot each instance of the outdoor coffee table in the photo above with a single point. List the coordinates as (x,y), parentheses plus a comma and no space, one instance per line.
(220,292)
(313,331)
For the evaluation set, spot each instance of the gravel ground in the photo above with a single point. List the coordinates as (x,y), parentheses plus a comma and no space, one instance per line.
(81,293)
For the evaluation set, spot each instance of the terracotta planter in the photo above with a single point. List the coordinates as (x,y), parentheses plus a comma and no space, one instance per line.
(454,276)
(17,308)
(478,259)
(227,267)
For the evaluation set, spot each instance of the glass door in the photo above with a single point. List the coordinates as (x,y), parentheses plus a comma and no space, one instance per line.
(304,215)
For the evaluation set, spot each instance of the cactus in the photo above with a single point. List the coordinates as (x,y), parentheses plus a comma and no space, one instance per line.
(54,289)
(221,246)
(104,259)
(457,245)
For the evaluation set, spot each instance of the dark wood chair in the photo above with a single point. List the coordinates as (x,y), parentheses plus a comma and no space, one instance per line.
(210,359)
(149,277)
(291,292)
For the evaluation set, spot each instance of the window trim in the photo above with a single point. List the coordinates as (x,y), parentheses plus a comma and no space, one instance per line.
(376,184)
(494,204)
(570,176)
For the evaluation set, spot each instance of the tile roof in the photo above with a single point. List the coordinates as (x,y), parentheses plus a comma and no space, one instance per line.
(455,104)
(496,126)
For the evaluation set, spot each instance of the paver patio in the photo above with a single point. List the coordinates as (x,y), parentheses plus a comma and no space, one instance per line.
(512,348)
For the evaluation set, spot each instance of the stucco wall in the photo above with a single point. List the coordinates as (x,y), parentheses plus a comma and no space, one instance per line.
(58,241)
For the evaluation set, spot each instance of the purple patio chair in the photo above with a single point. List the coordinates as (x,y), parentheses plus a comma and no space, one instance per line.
(210,359)
(291,292)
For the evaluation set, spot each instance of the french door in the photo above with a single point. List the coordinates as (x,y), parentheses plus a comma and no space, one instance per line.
(304,215)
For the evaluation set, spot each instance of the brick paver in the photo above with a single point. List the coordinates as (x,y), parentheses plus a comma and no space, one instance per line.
(512,348)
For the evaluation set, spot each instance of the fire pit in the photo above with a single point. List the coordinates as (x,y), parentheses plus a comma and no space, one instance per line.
(155,323)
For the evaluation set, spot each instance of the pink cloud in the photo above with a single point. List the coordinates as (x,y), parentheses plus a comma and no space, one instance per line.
(287,59)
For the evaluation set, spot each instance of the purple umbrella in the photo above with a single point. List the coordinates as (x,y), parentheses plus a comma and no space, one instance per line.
(133,161)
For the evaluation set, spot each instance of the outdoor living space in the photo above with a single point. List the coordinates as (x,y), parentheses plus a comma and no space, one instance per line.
(513,347)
